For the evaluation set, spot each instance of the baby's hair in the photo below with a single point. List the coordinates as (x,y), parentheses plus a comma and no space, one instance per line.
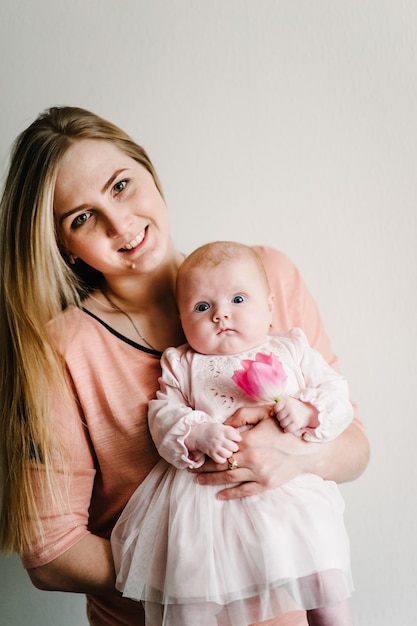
(216,252)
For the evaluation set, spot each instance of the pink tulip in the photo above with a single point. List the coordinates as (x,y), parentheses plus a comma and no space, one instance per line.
(262,379)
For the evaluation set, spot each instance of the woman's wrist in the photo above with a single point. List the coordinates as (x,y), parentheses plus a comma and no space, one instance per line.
(343,459)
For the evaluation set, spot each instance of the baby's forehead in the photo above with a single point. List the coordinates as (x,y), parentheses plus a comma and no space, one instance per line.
(225,277)
(226,272)
(235,263)
(222,275)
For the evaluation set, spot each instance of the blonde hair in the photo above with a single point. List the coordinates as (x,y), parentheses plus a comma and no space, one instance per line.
(216,252)
(36,284)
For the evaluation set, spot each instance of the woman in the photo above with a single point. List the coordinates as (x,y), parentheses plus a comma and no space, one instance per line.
(84,230)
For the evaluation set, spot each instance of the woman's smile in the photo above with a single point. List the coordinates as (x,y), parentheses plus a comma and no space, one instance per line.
(132,245)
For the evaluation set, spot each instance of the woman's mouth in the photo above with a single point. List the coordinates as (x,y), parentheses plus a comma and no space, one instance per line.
(134,243)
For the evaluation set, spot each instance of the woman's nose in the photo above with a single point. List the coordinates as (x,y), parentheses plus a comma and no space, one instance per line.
(117,226)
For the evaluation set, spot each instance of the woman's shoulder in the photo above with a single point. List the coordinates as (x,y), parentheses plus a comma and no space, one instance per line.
(272,256)
(279,268)
(75,327)
(72,318)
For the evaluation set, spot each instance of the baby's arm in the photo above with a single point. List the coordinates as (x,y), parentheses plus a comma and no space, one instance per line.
(216,440)
(182,434)
(320,410)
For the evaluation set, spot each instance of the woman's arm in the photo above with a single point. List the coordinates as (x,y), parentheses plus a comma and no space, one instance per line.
(268,457)
(87,567)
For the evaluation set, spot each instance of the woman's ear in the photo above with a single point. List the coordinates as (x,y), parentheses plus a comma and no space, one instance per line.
(68,256)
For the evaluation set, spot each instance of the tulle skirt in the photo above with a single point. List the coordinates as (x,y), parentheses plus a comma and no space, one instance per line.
(193,559)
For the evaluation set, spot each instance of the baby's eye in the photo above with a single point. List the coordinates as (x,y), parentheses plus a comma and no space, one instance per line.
(202,306)
(79,220)
(120,186)
(238,299)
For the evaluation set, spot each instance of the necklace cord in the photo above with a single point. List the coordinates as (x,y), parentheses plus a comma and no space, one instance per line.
(116,308)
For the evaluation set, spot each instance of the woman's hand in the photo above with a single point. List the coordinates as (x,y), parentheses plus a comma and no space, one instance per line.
(268,457)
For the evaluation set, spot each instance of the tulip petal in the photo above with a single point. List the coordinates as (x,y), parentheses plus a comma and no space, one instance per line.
(262,378)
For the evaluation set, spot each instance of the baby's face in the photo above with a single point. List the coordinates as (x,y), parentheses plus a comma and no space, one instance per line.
(225,309)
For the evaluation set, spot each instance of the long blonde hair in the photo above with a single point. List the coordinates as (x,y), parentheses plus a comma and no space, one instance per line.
(36,284)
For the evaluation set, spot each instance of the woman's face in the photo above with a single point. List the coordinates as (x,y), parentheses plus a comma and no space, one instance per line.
(108,210)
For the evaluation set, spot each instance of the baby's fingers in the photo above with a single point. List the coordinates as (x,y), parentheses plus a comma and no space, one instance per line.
(284,422)
(224,453)
(232,434)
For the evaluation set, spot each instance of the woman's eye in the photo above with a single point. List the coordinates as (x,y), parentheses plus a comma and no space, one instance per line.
(120,186)
(238,299)
(80,220)
(202,306)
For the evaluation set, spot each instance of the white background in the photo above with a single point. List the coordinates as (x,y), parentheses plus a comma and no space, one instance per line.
(291,123)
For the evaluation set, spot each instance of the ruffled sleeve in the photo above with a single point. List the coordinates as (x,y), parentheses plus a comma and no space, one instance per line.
(324,388)
(171,415)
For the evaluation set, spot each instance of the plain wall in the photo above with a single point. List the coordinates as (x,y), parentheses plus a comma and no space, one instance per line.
(290,123)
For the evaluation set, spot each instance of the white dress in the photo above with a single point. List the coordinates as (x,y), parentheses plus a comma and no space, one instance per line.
(193,559)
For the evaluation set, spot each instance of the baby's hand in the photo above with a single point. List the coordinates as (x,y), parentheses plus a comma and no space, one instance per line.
(219,442)
(293,414)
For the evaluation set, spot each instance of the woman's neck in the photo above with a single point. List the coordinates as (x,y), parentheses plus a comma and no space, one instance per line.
(144,291)
(142,307)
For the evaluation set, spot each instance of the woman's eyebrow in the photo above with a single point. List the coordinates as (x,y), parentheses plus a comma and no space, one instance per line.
(112,179)
(71,211)
(106,185)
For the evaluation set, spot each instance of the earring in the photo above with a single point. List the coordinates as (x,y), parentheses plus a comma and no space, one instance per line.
(71,258)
